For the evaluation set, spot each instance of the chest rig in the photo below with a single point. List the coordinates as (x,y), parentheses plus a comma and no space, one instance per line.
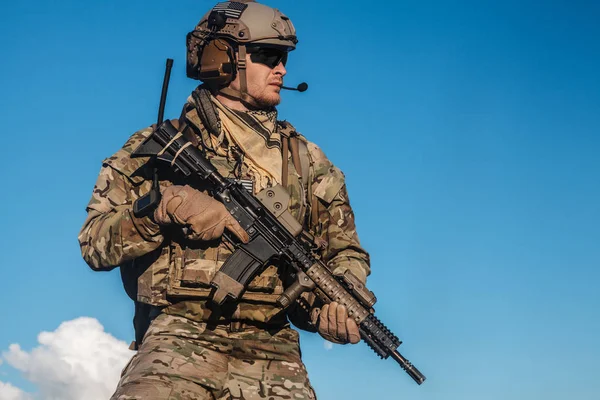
(192,264)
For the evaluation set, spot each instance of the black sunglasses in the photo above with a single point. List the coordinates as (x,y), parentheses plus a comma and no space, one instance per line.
(269,56)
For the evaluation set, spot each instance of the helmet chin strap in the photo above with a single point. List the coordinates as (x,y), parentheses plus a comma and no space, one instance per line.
(241,94)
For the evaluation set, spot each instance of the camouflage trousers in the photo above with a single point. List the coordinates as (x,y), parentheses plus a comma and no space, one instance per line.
(184,360)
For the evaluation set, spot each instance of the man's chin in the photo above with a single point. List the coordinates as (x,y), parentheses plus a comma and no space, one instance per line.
(269,100)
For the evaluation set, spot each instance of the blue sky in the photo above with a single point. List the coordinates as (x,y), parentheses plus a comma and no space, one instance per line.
(469,135)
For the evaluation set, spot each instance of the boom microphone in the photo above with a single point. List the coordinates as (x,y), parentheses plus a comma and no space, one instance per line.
(301,87)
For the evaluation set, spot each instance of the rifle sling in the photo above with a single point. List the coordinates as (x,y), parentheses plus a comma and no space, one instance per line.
(285,146)
(301,160)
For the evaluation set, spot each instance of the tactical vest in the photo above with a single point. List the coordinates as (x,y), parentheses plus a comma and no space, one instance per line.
(181,269)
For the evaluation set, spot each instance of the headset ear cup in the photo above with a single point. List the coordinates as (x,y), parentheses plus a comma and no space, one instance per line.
(217,63)
(194,45)
(192,69)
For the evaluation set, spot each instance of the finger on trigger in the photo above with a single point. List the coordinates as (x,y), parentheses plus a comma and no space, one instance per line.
(237,230)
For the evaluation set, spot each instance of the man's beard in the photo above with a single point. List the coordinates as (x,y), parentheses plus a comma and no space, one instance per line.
(264,98)
(267,100)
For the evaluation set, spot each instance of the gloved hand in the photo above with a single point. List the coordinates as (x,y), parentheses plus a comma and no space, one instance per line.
(205,217)
(334,325)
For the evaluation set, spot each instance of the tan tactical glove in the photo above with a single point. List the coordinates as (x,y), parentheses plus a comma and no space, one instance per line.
(333,324)
(205,217)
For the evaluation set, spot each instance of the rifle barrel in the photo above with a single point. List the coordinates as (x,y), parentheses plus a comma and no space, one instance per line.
(408,367)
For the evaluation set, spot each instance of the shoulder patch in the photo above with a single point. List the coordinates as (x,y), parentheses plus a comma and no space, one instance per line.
(330,185)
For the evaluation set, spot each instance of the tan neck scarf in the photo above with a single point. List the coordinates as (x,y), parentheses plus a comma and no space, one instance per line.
(254,133)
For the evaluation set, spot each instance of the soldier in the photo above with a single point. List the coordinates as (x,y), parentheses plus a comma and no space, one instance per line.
(189,348)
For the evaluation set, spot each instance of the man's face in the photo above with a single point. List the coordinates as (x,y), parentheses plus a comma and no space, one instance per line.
(263,81)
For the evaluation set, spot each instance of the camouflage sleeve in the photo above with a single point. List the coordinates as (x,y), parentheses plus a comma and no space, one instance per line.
(335,219)
(111,234)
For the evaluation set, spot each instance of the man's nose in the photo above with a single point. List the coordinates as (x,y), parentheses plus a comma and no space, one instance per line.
(280,69)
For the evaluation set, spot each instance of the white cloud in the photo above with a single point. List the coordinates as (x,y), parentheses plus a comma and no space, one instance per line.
(328,345)
(9,392)
(76,361)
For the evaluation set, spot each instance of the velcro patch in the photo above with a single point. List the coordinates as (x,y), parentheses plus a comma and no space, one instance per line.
(231,9)
(330,186)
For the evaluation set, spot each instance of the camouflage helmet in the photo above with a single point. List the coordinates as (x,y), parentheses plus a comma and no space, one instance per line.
(231,26)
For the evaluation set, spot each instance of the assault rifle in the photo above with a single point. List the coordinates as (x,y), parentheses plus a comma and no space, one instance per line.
(274,236)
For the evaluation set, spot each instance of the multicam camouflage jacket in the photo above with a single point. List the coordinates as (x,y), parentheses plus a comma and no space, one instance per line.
(173,272)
